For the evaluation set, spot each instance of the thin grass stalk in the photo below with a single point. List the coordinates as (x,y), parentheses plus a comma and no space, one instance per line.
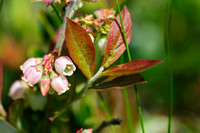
(169,60)
(106,110)
(125,91)
(57,14)
(1,5)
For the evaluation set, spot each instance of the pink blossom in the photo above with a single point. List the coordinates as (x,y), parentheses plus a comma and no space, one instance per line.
(105,13)
(44,84)
(64,65)
(59,83)
(17,89)
(84,131)
(33,75)
(48,1)
(30,62)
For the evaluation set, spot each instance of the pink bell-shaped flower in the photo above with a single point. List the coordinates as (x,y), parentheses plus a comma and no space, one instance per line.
(44,84)
(30,62)
(17,89)
(59,83)
(84,131)
(48,1)
(64,65)
(33,75)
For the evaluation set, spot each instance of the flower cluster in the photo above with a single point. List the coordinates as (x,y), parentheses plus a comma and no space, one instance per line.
(50,69)
(101,21)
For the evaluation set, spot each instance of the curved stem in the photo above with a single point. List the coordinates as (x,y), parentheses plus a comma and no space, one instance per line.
(79,95)
(125,91)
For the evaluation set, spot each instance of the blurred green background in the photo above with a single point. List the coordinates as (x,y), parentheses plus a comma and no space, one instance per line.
(27,30)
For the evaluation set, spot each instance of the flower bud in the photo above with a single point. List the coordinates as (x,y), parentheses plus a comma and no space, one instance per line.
(102,44)
(44,84)
(33,75)
(48,1)
(30,62)
(84,131)
(17,89)
(59,83)
(64,65)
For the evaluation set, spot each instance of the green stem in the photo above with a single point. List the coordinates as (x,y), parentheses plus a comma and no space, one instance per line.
(128,110)
(56,12)
(1,5)
(79,95)
(169,61)
(106,110)
(125,91)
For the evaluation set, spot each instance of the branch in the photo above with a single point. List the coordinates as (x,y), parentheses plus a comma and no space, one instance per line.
(114,121)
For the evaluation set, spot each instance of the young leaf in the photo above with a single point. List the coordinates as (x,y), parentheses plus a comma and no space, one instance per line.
(1,80)
(119,82)
(80,47)
(132,67)
(115,43)
(15,113)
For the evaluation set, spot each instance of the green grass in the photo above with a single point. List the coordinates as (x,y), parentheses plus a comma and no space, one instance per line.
(125,90)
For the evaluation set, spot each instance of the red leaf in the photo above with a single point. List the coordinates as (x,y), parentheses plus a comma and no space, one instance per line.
(132,67)
(1,80)
(80,47)
(119,82)
(115,44)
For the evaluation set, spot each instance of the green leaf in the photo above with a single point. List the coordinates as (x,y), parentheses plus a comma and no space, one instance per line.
(15,113)
(118,82)
(5,127)
(132,67)
(80,47)
(115,44)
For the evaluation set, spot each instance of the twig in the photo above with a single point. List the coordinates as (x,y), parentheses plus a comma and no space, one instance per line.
(114,121)
(69,10)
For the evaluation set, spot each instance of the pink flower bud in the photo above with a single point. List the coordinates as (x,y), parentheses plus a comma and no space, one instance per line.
(84,131)
(44,84)
(64,65)
(30,62)
(48,1)
(59,83)
(33,75)
(17,89)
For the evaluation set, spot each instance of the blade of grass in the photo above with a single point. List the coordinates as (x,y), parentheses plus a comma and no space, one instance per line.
(125,90)
(169,59)
(106,110)
(1,5)
(54,8)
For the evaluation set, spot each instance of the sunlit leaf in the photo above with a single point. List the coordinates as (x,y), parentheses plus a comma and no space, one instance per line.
(132,67)
(119,82)
(1,80)
(5,127)
(80,47)
(15,113)
(115,43)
